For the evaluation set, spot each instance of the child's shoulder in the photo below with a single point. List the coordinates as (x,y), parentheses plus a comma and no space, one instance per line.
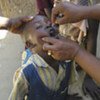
(16,74)
(23,69)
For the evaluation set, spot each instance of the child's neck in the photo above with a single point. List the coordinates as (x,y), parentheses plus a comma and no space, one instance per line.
(52,62)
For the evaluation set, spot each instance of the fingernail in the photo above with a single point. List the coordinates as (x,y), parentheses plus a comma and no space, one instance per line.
(56,22)
(43,39)
(43,47)
(28,18)
(31,17)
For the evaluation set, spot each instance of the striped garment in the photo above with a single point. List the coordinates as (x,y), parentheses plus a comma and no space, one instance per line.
(47,74)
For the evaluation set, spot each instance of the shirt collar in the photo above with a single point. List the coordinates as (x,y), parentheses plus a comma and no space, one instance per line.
(38,60)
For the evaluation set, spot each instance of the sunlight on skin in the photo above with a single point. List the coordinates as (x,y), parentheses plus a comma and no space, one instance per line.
(3,20)
(3,34)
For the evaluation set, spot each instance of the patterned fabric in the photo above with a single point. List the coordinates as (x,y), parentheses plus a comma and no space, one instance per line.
(25,55)
(40,91)
(48,75)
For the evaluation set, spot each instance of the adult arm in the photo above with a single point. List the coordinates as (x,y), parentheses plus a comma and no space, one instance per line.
(68,50)
(74,13)
(89,63)
(14,24)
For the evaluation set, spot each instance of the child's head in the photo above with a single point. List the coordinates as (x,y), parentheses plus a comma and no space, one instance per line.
(34,31)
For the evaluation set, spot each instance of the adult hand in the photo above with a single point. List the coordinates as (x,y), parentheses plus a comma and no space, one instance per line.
(91,88)
(14,24)
(70,13)
(61,49)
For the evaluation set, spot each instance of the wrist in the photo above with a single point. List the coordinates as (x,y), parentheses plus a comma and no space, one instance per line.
(85,12)
(77,50)
(79,54)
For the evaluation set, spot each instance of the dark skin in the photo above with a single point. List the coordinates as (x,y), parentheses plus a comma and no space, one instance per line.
(36,29)
(19,28)
(22,24)
(90,46)
(90,64)
(49,59)
(14,24)
(91,41)
(91,38)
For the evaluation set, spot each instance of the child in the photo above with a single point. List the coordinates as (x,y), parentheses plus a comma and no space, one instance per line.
(41,77)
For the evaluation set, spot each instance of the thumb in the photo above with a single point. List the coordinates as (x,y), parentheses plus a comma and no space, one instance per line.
(27,18)
(47,47)
(61,20)
(50,40)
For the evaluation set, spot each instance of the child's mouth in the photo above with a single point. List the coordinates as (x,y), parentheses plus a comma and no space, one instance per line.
(53,31)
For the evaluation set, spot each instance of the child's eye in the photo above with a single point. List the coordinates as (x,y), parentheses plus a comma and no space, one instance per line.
(49,26)
(40,26)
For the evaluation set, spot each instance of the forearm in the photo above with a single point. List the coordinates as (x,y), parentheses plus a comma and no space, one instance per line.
(89,63)
(90,12)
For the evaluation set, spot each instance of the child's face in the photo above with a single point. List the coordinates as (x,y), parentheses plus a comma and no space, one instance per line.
(37,29)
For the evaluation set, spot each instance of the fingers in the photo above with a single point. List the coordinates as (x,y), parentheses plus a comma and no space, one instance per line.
(56,11)
(47,46)
(54,14)
(50,43)
(15,24)
(50,40)
(61,20)
(27,18)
